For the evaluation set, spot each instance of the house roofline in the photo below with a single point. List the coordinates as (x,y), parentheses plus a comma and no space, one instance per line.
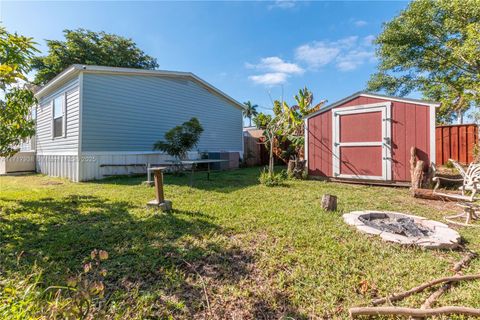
(78,68)
(372,95)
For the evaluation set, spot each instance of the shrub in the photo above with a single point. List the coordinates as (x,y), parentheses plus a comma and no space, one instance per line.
(277,179)
(449,164)
(180,139)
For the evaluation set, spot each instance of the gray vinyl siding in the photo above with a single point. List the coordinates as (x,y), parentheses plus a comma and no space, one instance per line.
(131,112)
(45,144)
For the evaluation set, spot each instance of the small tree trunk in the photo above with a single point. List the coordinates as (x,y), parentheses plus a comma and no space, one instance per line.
(270,162)
(290,167)
(329,202)
(459,117)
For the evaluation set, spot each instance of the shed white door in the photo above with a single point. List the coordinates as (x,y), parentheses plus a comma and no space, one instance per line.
(362,142)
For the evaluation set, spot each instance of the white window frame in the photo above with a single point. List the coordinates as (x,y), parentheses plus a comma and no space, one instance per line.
(64,116)
(385,109)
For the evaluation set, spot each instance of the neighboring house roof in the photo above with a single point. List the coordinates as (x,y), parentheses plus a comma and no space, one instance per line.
(75,69)
(372,95)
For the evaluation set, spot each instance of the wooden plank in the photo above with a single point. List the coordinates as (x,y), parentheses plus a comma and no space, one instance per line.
(462,154)
(402,184)
(421,134)
(325,136)
(439,145)
(454,142)
(399,151)
(410,136)
(470,143)
(446,143)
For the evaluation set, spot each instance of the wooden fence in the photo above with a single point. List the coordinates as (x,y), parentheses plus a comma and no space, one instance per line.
(456,142)
(254,151)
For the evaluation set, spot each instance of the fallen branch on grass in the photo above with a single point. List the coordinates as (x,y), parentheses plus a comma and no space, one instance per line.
(428,194)
(400,311)
(203,285)
(444,288)
(400,296)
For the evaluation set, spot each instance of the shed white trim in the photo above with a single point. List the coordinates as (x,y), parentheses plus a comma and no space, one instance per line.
(385,109)
(305,127)
(377,96)
(433,142)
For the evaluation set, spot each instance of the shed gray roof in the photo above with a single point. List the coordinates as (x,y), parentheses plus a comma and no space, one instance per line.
(372,95)
(74,69)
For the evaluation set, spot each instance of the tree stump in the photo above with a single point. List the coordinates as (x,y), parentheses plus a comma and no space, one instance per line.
(417,175)
(329,202)
(296,168)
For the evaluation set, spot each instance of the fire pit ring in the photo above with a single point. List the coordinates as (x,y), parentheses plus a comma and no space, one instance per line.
(404,229)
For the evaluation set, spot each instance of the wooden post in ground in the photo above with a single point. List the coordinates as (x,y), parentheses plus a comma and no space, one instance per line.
(158,178)
(159,202)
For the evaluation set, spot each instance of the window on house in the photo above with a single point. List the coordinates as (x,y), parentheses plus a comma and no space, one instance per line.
(58,116)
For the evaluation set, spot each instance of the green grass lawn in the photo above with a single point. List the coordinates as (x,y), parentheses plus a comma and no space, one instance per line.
(230,249)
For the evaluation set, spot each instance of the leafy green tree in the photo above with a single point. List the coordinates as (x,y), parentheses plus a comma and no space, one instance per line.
(16,125)
(91,48)
(180,139)
(293,124)
(433,46)
(261,120)
(284,131)
(250,111)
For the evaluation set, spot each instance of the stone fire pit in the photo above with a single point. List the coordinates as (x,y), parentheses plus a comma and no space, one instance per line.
(404,229)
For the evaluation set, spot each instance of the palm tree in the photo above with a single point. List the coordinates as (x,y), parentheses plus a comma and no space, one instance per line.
(250,111)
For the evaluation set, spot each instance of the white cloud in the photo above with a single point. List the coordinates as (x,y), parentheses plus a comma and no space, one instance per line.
(282,4)
(360,23)
(275,69)
(270,79)
(368,40)
(316,54)
(319,53)
(347,54)
(346,43)
(353,59)
(276,64)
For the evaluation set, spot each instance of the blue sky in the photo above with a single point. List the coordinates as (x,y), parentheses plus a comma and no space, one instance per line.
(250,50)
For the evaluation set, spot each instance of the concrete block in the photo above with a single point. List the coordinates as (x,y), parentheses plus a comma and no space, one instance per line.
(166,205)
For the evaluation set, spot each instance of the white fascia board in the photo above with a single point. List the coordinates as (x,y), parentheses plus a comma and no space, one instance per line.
(57,81)
(412,101)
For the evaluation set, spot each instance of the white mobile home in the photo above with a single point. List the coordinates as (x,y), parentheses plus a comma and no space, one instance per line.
(94,121)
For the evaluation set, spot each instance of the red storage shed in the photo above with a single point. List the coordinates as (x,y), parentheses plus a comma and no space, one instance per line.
(369,136)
